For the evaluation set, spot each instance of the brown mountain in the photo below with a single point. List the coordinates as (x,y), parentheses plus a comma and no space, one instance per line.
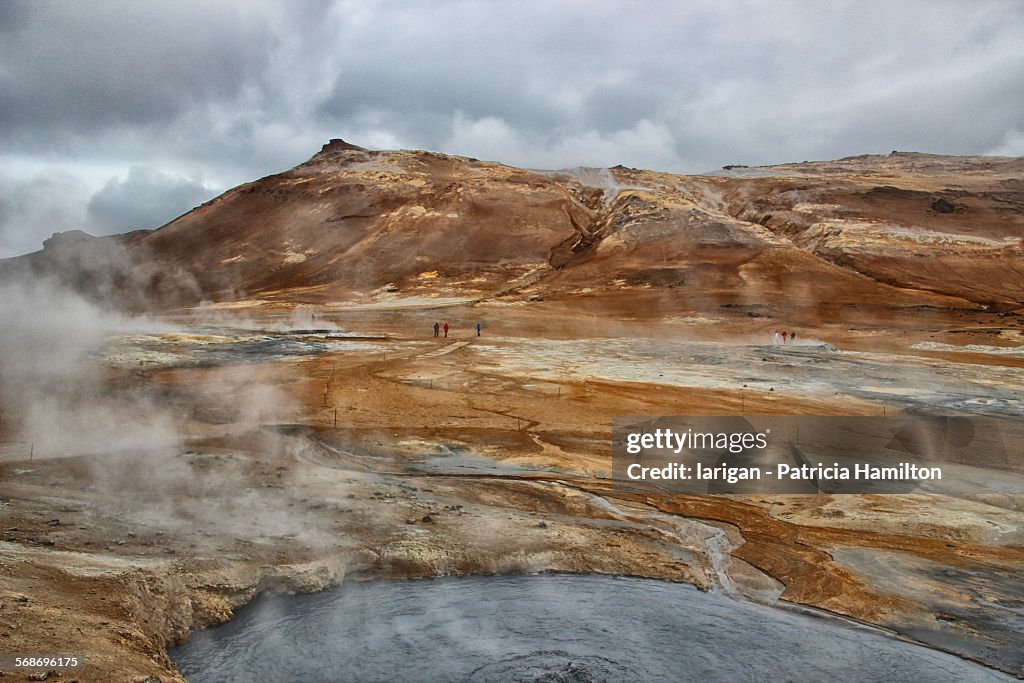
(894,231)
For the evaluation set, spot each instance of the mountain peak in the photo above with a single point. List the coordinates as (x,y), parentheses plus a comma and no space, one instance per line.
(339,145)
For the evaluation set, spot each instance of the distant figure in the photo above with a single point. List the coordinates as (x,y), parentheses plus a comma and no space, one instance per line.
(792,337)
(775,338)
(437,328)
(446,330)
(784,335)
(478,329)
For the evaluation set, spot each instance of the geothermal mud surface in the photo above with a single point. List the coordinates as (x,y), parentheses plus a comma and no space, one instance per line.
(184,468)
(548,628)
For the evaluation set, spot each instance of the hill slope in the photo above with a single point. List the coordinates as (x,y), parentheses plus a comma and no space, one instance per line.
(896,231)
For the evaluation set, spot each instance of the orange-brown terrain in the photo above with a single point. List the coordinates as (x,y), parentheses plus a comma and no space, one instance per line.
(252,398)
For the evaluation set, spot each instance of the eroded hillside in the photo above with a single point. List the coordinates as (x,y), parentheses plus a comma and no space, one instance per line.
(809,239)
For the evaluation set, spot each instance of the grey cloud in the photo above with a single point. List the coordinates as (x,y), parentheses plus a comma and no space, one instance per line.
(146,198)
(235,90)
(762,82)
(1011,145)
(944,115)
(92,65)
(33,208)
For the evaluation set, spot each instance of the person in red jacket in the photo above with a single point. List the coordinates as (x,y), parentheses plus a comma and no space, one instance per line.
(446,329)
(784,334)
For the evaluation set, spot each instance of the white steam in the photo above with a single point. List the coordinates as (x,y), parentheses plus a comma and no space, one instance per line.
(52,392)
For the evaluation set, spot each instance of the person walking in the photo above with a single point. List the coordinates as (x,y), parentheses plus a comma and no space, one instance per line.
(792,337)
(446,330)
(784,335)
(437,328)
(478,328)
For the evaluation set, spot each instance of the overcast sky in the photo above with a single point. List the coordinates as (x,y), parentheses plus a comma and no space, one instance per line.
(122,115)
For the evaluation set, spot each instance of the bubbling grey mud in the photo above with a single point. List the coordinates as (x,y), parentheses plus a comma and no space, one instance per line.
(551,628)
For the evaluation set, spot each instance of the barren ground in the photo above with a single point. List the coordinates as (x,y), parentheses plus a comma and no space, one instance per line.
(292,461)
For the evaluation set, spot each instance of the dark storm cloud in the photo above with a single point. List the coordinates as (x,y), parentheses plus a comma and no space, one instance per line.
(230,91)
(753,82)
(144,196)
(555,71)
(84,66)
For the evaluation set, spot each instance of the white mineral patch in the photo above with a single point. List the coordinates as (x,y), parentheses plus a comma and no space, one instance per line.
(970,348)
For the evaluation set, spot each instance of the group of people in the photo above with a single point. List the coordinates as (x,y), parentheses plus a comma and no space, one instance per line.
(438,328)
(784,335)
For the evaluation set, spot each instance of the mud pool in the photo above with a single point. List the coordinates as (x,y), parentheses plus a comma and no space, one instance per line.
(546,628)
